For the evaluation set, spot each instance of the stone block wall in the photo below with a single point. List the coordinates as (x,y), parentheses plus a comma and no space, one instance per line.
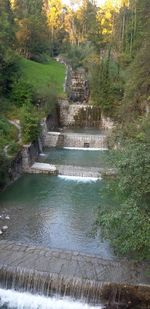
(79,115)
(56,139)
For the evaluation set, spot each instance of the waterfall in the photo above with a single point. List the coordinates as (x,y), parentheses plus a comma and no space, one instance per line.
(79,178)
(78,173)
(86,149)
(48,285)
(40,145)
(13,299)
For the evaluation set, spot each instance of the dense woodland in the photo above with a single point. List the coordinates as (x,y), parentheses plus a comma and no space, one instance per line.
(112,44)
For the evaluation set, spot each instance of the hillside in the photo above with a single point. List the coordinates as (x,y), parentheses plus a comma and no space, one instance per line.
(43,77)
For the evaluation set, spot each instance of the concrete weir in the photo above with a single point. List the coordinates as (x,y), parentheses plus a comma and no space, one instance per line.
(76,140)
(69,170)
(71,273)
(42,168)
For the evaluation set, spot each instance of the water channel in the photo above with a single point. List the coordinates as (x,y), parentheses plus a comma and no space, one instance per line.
(86,158)
(54,212)
(57,213)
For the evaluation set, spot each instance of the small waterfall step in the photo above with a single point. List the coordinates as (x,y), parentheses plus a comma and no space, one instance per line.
(42,168)
(26,300)
(68,273)
(70,170)
(78,171)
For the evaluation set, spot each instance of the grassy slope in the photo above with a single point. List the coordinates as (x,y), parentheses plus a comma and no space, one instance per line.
(44,77)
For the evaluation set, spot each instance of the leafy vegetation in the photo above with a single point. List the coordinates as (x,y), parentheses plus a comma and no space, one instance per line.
(43,77)
(30,124)
(128,229)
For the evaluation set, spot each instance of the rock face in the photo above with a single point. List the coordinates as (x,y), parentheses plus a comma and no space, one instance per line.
(15,168)
(22,162)
(29,154)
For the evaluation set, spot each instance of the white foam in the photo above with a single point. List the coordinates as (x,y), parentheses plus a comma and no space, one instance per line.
(87,149)
(13,299)
(79,178)
(42,154)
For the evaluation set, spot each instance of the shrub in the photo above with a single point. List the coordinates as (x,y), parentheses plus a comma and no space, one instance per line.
(30,123)
(21,93)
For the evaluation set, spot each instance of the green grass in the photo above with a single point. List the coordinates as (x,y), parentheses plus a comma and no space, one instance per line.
(45,78)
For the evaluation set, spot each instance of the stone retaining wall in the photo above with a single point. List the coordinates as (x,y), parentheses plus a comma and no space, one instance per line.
(58,139)
(79,115)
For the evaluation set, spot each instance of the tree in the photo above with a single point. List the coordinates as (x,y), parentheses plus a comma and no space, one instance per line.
(55,17)
(7,45)
(32,34)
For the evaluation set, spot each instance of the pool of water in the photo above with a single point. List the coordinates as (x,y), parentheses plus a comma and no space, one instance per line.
(90,131)
(54,213)
(76,157)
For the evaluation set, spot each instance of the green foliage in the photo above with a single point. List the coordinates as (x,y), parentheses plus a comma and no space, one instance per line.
(13,149)
(137,86)
(78,55)
(50,102)
(7,132)
(4,164)
(128,228)
(43,77)
(106,84)
(21,92)
(134,172)
(32,34)
(127,224)
(8,58)
(7,135)
(30,123)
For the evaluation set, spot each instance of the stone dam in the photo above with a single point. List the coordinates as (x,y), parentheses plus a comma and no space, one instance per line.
(75,140)
(71,273)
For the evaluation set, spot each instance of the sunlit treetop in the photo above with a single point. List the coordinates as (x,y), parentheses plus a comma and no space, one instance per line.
(114,3)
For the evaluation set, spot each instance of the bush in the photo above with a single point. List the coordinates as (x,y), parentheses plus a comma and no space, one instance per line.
(128,229)
(21,93)
(30,123)
(127,224)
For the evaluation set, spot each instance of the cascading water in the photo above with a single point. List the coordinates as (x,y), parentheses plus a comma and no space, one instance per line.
(86,148)
(21,289)
(40,145)
(79,178)
(17,300)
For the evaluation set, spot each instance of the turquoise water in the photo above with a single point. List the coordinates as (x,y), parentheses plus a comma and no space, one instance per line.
(90,131)
(54,213)
(76,157)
